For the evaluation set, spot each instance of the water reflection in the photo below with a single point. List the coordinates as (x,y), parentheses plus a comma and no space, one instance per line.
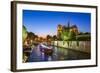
(39,54)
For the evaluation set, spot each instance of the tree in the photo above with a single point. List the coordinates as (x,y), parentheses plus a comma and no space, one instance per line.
(72,35)
(49,36)
(65,35)
(87,33)
(54,37)
(81,33)
(36,36)
(31,36)
(24,33)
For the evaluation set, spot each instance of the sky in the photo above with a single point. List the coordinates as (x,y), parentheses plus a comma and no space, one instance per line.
(44,23)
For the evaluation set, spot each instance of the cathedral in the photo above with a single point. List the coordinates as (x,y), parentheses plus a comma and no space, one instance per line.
(69,28)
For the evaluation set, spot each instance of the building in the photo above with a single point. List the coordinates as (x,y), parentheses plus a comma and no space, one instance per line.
(68,28)
(74,29)
(59,30)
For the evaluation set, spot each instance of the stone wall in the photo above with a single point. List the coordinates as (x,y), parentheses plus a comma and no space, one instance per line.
(84,46)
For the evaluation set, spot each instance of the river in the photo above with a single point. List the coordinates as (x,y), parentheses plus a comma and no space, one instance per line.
(59,54)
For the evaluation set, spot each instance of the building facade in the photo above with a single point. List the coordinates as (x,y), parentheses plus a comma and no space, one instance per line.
(69,29)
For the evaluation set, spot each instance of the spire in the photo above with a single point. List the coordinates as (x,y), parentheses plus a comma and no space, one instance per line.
(68,24)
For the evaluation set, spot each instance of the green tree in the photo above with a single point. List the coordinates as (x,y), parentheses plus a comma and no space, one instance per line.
(24,33)
(31,35)
(54,37)
(49,37)
(65,36)
(72,35)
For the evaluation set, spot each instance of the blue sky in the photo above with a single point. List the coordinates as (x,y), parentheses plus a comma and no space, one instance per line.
(43,23)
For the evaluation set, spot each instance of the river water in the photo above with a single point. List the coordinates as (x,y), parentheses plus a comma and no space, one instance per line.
(59,54)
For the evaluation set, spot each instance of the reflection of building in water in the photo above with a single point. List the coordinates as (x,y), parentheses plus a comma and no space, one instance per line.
(68,28)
